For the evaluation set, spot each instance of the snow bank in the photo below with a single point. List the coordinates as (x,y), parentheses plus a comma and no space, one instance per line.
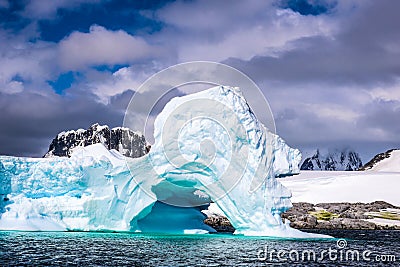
(344,186)
(390,164)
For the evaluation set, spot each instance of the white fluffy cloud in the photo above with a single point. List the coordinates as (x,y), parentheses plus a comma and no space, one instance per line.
(12,87)
(101,46)
(107,85)
(25,64)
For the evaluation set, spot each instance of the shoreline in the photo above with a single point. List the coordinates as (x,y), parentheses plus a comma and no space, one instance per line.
(377,215)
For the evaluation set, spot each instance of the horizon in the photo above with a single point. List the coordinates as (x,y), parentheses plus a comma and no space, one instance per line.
(328,71)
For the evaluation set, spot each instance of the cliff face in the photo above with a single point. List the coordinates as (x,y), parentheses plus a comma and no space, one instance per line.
(124,140)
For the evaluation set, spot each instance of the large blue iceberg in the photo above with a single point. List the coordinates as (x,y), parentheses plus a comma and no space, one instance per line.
(209,147)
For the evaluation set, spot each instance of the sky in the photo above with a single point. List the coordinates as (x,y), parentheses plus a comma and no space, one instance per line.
(330,69)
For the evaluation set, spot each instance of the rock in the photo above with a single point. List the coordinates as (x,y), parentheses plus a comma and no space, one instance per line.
(124,140)
(220,224)
(311,220)
(335,207)
(324,225)
(351,215)
(300,225)
(354,215)
(305,221)
(378,205)
(357,224)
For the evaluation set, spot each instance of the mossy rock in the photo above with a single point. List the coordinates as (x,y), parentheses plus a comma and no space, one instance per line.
(324,215)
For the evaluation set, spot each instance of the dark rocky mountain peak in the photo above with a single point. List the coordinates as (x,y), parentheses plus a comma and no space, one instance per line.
(124,140)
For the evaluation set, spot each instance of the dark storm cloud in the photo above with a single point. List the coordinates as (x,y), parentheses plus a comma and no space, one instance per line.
(382,117)
(366,50)
(121,101)
(30,121)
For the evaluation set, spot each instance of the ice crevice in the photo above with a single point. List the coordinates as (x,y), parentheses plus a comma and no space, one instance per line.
(165,190)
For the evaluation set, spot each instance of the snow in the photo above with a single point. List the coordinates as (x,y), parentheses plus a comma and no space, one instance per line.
(344,186)
(213,210)
(209,141)
(390,164)
(101,128)
(61,134)
(127,130)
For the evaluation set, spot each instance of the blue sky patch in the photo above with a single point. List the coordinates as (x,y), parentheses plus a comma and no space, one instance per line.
(306,7)
(113,15)
(63,82)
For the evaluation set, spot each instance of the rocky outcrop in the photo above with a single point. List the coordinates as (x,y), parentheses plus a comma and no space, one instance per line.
(345,223)
(323,216)
(337,215)
(220,223)
(124,140)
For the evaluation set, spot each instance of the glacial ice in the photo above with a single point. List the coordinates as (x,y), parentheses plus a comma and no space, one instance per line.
(209,147)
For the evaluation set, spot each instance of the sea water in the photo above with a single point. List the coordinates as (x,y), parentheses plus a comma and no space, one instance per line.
(374,248)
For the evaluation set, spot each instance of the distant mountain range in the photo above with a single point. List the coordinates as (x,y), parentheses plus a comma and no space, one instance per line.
(124,140)
(133,144)
(337,160)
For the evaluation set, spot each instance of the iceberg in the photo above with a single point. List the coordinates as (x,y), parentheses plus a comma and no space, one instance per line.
(209,147)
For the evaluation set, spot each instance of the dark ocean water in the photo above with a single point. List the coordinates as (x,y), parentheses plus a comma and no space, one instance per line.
(375,248)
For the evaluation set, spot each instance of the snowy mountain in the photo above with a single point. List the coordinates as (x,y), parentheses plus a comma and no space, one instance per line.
(388,161)
(345,160)
(124,140)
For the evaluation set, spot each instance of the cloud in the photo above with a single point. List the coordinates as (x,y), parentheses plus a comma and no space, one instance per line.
(30,121)
(363,51)
(329,68)
(386,93)
(25,64)
(381,120)
(103,47)
(243,30)
(4,4)
(340,88)
(106,84)
(12,87)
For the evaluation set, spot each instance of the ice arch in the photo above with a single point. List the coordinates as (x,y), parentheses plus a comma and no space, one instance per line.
(209,146)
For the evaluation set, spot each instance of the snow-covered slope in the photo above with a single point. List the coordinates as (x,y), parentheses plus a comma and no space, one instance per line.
(124,140)
(209,146)
(337,160)
(388,161)
(344,186)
